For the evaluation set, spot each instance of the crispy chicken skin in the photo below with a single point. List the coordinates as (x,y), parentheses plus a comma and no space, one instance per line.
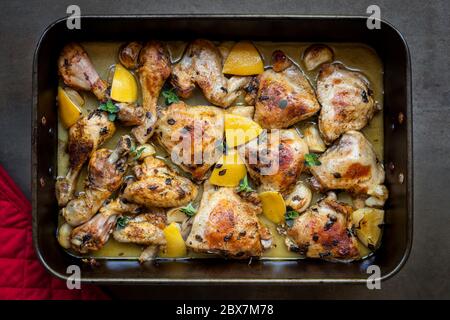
(261,157)
(92,235)
(346,100)
(154,69)
(159,186)
(350,164)
(324,231)
(77,71)
(282,95)
(202,65)
(85,136)
(227,224)
(182,130)
(105,171)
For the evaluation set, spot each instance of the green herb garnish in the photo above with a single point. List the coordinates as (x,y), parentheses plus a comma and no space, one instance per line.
(289,216)
(189,210)
(170,96)
(244,186)
(111,108)
(136,153)
(312,159)
(122,222)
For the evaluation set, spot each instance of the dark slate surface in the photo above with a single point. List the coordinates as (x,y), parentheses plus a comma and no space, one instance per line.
(426,28)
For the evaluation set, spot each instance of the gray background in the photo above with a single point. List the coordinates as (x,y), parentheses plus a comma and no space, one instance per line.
(426,29)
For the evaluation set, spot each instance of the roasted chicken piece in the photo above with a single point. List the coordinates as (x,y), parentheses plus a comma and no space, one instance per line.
(350,164)
(159,186)
(144,229)
(228,224)
(78,72)
(85,136)
(324,231)
(92,235)
(154,69)
(202,65)
(275,159)
(282,95)
(346,100)
(105,172)
(192,135)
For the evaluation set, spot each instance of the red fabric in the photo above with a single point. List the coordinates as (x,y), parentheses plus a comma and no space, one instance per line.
(21,274)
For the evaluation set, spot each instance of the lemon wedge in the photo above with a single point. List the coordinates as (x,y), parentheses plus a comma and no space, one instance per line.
(368,223)
(243,60)
(228,171)
(240,129)
(175,247)
(68,106)
(124,86)
(273,206)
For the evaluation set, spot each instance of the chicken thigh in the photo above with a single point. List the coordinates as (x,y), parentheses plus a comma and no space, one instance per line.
(153,71)
(85,136)
(324,231)
(193,136)
(158,186)
(350,164)
(275,159)
(282,95)
(77,71)
(105,172)
(346,100)
(202,65)
(228,224)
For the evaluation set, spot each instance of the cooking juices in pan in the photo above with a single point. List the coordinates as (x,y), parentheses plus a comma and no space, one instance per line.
(354,56)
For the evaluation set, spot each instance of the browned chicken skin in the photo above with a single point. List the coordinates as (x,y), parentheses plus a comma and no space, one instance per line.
(282,95)
(276,159)
(192,135)
(202,65)
(158,186)
(154,69)
(78,72)
(324,231)
(93,235)
(227,224)
(350,164)
(105,172)
(346,100)
(85,136)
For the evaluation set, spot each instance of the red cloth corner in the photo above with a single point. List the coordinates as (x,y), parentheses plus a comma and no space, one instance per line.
(22,277)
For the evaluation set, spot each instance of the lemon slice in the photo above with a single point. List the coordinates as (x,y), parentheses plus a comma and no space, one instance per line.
(273,206)
(124,85)
(368,223)
(175,247)
(68,106)
(243,60)
(228,171)
(240,129)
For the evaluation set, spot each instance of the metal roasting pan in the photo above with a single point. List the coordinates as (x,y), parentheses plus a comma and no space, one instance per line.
(388,43)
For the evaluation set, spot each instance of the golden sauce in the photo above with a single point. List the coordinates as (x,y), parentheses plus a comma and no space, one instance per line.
(354,56)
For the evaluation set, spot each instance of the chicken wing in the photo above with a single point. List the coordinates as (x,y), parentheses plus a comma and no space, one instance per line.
(276,159)
(346,100)
(350,164)
(85,136)
(282,95)
(92,235)
(78,72)
(324,231)
(228,224)
(193,136)
(158,186)
(153,71)
(202,65)
(105,172)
